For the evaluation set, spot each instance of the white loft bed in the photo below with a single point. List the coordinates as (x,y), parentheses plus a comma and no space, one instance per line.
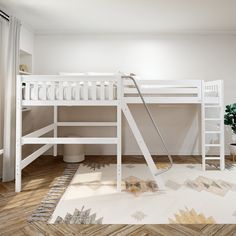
(112,90)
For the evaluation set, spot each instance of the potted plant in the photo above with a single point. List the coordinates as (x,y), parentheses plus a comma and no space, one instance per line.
(230,120)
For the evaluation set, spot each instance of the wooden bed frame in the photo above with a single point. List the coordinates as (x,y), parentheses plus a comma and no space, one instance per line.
(113,90)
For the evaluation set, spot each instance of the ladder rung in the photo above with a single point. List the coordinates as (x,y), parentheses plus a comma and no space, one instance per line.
(212,119)
(213,132)
(212,106)
(212,145)
(212,158)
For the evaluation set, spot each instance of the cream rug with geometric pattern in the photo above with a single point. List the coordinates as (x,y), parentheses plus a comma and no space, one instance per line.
(191,197)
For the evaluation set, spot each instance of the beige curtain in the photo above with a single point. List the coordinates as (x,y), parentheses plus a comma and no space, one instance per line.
(13,52)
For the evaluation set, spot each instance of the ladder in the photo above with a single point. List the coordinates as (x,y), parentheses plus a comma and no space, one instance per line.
(142,145)
(140,141)
(216,121)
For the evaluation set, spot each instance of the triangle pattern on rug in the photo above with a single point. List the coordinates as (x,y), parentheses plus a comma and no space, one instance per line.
(82,216)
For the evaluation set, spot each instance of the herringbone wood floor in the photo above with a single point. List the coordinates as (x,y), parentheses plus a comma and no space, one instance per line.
(37,179)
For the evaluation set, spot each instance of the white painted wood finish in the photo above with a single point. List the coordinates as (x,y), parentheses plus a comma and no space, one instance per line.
(69,103)
(40,132)
(18,134)
(113,92)
(119,133)
(217,122)
(35,155)
(65,96)
(68,140)
(203,126)
(55,114)
(222,133)
(142,145)
(84,91)
(88,124)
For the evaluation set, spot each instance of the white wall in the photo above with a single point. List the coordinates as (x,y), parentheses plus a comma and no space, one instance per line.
(170,56)
(27,40)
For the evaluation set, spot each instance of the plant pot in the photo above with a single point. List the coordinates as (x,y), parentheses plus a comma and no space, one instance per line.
(232,148)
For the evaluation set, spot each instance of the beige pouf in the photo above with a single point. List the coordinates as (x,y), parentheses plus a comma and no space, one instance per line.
(73,153)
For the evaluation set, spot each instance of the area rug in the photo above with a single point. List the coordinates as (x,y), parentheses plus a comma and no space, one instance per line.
(191,196)
(49,202)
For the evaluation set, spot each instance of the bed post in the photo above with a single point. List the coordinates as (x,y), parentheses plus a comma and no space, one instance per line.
(222,127)
(18,133)
(119,133)
(203,126)
(55,114)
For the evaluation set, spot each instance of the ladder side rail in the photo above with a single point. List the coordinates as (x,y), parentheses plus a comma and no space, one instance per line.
(217,87)
(141,143)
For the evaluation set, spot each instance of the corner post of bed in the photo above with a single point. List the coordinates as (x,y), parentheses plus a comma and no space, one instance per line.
(18,133)
(119,132)
(55,120)
(203,125)
(222,127)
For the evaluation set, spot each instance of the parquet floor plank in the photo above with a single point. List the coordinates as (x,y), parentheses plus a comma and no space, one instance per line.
(38,177)
(29,230)
(225,230)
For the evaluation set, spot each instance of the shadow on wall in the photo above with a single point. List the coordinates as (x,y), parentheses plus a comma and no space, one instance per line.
(179,125)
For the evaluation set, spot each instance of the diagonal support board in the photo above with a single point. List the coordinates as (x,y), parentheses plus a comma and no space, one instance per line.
(142,145)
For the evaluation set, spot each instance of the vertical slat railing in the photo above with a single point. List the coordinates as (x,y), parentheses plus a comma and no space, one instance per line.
(102,91)
(27,91)
(69,92)
(85,88)
(36,88)
(77,91)
(60,92)
(94,90)
(53,88)
(44,87)
(110,90)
